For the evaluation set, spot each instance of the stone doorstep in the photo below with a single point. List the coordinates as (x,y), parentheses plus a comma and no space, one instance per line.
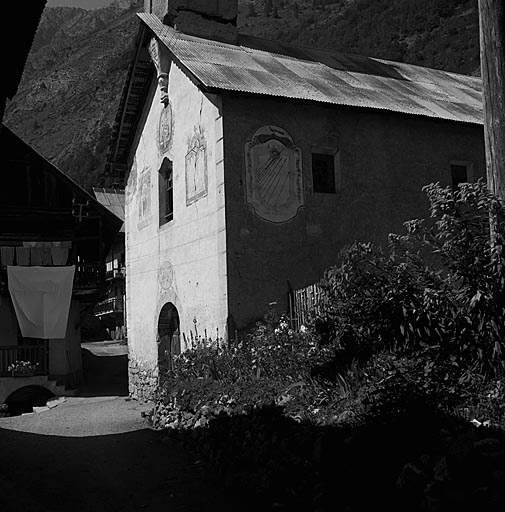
(54,402)
(50,404)
(40,409)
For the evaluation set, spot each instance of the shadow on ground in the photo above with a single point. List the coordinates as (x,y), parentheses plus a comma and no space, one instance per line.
(104,374)
(122,472)
(417,460)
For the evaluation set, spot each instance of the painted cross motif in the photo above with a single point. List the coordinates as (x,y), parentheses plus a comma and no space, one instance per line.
(274,181)
(196,168)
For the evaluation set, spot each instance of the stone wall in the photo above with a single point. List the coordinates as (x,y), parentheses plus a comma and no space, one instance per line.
(181,261)
(292,232)
(142,380)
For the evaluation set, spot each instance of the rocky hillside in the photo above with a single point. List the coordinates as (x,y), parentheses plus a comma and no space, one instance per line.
(68,97)
(69,94)
(442,34)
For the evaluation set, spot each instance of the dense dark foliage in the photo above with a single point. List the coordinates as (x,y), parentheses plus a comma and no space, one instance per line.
(374,403)
(440,287)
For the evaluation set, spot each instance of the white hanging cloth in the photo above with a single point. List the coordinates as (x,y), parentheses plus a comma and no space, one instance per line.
(41,297)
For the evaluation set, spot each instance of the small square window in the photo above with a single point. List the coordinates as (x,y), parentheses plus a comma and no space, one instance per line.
(459,174)
(323,173)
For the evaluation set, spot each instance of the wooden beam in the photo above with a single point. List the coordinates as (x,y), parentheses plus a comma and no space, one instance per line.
(492,56)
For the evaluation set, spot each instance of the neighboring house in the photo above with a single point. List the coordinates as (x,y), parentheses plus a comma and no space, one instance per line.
(53,240)
(250,163)
(111,311)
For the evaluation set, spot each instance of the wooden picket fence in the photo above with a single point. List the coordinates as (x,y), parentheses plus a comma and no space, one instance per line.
(302,303)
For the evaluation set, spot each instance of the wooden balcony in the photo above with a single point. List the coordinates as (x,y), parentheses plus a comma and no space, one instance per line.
(116,273)
(88,276)
(108,306)
(38,353)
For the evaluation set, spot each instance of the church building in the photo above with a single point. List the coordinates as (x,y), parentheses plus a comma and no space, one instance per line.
(248,164)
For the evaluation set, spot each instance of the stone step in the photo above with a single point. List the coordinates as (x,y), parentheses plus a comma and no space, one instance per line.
(54,402)
(40,409)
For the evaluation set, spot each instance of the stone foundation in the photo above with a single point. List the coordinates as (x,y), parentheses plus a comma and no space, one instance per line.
(142,380)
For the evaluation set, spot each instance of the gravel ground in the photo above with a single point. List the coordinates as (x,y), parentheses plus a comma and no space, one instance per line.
(97,453)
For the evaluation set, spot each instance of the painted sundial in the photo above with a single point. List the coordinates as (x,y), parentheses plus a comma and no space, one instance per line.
(274,181)
(165,128)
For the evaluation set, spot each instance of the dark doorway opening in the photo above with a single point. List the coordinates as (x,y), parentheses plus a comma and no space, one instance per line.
(169,341)
(26,398)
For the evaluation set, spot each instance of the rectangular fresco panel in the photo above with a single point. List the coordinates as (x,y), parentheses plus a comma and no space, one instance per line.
(196,169)
(144,198)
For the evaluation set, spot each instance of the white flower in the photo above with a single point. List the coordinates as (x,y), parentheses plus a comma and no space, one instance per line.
(303,329)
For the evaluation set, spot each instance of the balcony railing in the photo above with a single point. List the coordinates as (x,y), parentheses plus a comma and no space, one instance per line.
(112,305)
(87,275)
(33,353)
(115,273)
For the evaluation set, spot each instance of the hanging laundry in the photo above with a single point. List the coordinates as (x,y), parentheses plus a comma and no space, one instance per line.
(59,255)
(47,260)
(41,297)
(7,255)
(36,255)
(23,256)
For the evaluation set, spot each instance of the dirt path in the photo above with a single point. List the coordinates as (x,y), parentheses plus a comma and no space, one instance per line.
(97,453)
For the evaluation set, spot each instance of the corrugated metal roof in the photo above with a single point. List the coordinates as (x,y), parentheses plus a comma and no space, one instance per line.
(259,66)
(113,200)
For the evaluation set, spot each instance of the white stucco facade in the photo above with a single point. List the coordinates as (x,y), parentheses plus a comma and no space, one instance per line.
(183,261)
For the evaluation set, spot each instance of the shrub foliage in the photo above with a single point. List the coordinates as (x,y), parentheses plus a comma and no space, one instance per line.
(407,345)
(441,285)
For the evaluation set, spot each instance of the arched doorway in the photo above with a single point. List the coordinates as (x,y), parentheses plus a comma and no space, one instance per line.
(26,398)
(169,343)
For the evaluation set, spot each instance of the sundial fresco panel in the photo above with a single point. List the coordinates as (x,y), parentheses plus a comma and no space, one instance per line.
(274,181)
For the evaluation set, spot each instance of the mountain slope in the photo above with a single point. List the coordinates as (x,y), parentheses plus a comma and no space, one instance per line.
(68,97)
(69,94)
(442,34)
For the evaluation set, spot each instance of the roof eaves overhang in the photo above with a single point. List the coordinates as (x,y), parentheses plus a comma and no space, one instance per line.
(112,219)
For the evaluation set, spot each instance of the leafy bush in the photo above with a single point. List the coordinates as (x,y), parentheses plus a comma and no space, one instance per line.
(439,285)
(273,367)
(409,348)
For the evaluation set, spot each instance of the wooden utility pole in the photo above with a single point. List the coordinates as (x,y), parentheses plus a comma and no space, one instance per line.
(492,58)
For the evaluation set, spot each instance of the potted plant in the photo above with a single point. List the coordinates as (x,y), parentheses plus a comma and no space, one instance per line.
(23,368)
